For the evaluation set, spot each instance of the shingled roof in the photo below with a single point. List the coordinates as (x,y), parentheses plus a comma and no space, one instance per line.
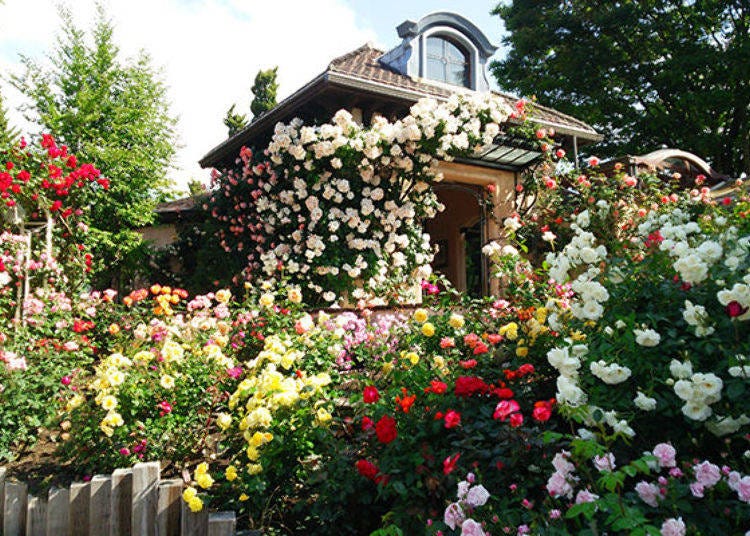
(361,70)
(364,63)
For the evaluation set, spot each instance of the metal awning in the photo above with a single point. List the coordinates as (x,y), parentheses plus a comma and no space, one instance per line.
(505,152)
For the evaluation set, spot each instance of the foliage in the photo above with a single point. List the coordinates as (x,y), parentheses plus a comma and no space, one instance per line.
(644,73)
(114,113)
(234,121)
(264,91)
(8,133)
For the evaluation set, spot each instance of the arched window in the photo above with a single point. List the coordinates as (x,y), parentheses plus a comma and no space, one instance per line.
(447,62)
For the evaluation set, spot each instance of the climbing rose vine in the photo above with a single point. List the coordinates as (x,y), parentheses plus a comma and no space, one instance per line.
(338,207)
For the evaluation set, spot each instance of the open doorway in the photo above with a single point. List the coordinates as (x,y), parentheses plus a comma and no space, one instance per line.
(459,233)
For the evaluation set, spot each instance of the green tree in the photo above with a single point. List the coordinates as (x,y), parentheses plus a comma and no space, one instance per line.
(644,72)
(264,91)
(115,114)
(8,133)
(234,121)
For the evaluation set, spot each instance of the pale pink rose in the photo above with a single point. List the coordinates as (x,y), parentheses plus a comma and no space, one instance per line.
(561,464)
(733,480)
(673,527)
(70,346)
(454,516)
(707,474)
(743,489)
(16,363)
(477,496)
(558,486)
(585,496)
(463,489)
(697,490)
(649,493)
(665,454)
(605,463)
(471,528)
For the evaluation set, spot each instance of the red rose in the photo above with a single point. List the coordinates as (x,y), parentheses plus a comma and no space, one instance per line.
(367,423)
(385,429)
(470,385)
(480,348)
(367,469)
(449,464)
(371,394)
(452,419)
(516,420)
(735,309)
(469,363)
(541,413)
(436,387)
(505,408)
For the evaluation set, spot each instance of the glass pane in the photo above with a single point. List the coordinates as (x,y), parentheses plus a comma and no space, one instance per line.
(457,74)
(436,70)
(453,53)
(435,47)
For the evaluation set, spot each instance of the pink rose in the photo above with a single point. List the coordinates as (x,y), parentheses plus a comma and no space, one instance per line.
(707,474)
(665,454)
(605,463)
(585,496)
(697,490)
(743,489)
(649,493)
(673,527)
(453,516)
(471,528)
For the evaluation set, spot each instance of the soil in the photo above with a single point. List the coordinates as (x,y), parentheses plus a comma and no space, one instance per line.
(40,469)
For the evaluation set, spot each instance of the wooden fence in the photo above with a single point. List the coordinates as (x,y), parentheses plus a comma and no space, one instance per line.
(129,502)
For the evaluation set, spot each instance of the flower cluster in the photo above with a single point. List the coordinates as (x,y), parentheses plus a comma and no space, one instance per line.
(339,207)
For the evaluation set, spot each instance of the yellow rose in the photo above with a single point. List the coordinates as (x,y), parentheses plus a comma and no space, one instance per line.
(244,497)
(456,321)
(143,357)
(195,504)
(387,367)
(252,453)
(109,403)
(189,493)
(231,473)
(510,331)
(74,402)
(167,381)
(322,416)
(254,468)
(223,296)
(266,299)
(421,315)
(204,480)
(202,468)
(295,295)
(224,420)
(106,430)
(522,351)
(428,330)
(413,357)
(438,361)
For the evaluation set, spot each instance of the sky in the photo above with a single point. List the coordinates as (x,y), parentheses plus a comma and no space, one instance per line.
(210,50)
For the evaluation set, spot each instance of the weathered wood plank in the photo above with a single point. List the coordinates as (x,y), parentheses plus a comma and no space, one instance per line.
(58,512)
(222,524)
(193,523)
(36,517)
(168,515)
(145,498)
(80,498)
(122,502)
(100,507)
(14,508)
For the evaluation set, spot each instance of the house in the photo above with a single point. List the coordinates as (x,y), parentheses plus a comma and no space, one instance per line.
(439,55)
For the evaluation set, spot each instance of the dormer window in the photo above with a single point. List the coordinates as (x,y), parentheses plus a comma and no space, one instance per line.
(447,62)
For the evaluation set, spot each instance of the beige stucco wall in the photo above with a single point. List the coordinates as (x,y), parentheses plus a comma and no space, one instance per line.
(159,235)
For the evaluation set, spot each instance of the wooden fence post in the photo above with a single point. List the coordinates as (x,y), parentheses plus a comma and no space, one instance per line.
(221,524)
(2,494)
(122,502)
(79,509)
(168,516)
(36,517)
(14,516)
(193,523)
(58,512)
(100,506)
(145,498)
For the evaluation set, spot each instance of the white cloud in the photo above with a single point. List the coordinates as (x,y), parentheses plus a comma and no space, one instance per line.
(209,50)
